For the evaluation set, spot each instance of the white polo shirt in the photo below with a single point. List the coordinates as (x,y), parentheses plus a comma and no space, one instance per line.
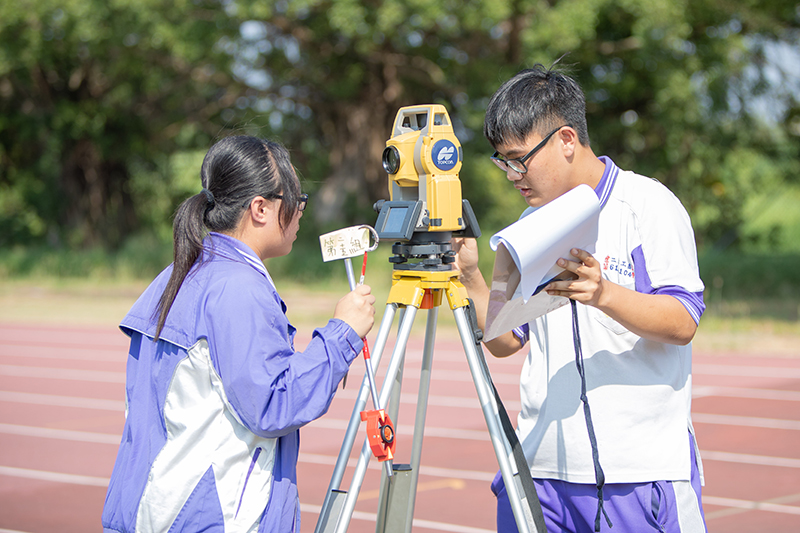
(639,390)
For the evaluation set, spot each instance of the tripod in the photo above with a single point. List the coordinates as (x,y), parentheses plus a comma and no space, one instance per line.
(415,286)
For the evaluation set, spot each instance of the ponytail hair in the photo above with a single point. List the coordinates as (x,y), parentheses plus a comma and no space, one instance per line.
(235,170)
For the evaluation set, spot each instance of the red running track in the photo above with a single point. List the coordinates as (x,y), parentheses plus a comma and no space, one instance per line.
(62,412)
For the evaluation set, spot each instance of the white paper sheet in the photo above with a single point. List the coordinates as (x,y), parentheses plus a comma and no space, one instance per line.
(538,240)
(527,252)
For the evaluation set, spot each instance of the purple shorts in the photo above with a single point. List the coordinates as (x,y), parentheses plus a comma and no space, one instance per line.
(664,506)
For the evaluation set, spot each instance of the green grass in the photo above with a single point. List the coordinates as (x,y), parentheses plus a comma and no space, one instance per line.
(739,286)
(140,258)
(751,289)
(731,275)
(752,300)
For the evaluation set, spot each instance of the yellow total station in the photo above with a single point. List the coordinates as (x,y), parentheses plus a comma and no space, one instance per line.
(423,158)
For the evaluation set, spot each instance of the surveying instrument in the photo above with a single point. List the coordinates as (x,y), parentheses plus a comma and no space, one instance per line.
(425,210)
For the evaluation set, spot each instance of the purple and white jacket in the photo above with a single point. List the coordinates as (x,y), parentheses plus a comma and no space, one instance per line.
(214,407)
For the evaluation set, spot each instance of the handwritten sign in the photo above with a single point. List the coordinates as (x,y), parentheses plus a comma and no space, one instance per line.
(347,242)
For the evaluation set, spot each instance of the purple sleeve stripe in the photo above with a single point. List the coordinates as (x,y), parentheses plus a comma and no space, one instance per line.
(692,301)
(521,333)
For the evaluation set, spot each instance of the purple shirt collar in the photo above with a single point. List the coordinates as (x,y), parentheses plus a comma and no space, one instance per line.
(606,185)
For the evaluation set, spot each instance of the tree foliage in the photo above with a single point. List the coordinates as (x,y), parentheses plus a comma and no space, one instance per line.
(90,91)
(107,107)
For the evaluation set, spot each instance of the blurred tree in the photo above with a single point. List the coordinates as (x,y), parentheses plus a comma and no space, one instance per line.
(102,102)
(91,90)
(697,95)
(349,65)
(675,90)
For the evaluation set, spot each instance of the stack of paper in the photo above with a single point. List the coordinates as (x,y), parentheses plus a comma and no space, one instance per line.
(527,252)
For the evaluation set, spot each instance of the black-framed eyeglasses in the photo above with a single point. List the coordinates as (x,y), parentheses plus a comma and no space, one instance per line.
(518,164)
(302,202)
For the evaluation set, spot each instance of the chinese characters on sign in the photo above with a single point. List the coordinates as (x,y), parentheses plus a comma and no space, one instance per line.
(344,243)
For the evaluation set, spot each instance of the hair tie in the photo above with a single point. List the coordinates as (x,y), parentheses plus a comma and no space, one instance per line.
(209,197)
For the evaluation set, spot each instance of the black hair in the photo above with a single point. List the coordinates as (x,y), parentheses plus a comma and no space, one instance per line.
(537,99)
(235,170)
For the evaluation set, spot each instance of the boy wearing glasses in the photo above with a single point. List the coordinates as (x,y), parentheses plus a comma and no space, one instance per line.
(639,298)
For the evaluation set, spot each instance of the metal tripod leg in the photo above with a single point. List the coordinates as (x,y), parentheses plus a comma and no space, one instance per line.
(398,355)
(336,516)
(395,520)
(502,448)
(353,426)
(396,506)
(329,520)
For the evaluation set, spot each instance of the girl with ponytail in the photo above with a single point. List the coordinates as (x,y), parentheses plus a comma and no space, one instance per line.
(215,390)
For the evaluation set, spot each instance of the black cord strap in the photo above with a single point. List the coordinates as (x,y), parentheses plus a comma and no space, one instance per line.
(598,470)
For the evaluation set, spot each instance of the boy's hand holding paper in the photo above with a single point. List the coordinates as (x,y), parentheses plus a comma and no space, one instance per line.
(527,252)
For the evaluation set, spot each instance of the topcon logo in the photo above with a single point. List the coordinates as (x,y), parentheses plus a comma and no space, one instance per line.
(444,155)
